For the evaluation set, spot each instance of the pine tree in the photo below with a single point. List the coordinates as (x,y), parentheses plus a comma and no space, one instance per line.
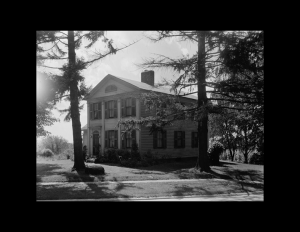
(236,85)
(71,83)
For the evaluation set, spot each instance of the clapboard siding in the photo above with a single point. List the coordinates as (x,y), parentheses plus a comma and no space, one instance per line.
(188,151)
(187,126)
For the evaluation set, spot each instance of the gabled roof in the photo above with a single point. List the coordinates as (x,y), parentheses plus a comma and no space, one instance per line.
(138,85)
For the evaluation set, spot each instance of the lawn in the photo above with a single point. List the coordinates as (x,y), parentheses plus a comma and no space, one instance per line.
(50,170)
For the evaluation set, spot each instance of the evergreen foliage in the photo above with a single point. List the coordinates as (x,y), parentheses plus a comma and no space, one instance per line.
(229,62)
(70,83)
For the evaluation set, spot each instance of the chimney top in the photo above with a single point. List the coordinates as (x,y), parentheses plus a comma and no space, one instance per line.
(148,77)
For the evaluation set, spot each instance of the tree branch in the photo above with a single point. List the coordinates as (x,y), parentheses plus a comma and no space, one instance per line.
(110,52)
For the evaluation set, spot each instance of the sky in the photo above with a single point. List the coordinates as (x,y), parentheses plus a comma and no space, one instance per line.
(121,64)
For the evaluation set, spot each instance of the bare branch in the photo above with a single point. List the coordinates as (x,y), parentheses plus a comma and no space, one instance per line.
(48,67)
(110,52)
(63,42)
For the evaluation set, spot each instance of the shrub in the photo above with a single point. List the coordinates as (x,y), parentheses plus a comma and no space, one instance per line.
(149,158)
(135,154)
(101,159)
(112,156)
(69,154)
(214,152)
(62,156)
(46,153)
(256,159)
(239,157)
(129,163)
(144,163)
(123,153)
(225,156)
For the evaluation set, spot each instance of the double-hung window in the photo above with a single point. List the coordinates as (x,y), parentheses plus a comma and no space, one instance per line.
(128,106)
(95,111)
(111,139)
(179,139)
(160,139)
(111,109)
(128,139)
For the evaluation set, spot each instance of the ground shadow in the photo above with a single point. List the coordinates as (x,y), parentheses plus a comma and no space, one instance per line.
(224,163)
(251,175)
(220,176)
(43,170)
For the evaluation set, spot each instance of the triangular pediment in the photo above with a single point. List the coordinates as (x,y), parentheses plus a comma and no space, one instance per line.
(110,85)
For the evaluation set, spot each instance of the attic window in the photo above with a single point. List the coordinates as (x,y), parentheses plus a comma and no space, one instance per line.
(110,88)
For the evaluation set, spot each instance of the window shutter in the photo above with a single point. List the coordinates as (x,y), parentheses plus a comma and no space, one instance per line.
(183,138)
(106,109)
(155,139)
(91,112)
(123,107)
(116,139)
(124,140)
(115,109)
(106,139)
(193,138)
(164,139)
(95,106)
(99,110)
(175,139)
(133,107)
(133,136)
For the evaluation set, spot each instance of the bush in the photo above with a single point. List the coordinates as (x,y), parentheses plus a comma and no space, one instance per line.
(123,154)
(256,159)
(62,156)
(47,153)
(112,156)
(135,154)
(101,159)
(214,152)
(225,156)
(129,163)
(68,153)
(148,158)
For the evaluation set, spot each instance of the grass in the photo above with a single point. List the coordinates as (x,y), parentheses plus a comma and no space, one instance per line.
(92,186)
(53,170)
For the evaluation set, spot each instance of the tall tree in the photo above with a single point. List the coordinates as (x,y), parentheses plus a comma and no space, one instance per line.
(71,83)
(212,66)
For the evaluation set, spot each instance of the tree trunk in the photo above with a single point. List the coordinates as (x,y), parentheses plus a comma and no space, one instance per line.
(246,157)
(202,161)
(75,116)
(246,147)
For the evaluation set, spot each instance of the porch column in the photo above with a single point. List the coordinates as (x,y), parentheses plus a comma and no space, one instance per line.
(103,127)
(119,117)
(138,116)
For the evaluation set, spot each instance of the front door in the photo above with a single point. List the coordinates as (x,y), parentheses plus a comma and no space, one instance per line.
(95,144)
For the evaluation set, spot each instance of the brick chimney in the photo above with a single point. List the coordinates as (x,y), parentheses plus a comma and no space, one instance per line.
(148,77)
